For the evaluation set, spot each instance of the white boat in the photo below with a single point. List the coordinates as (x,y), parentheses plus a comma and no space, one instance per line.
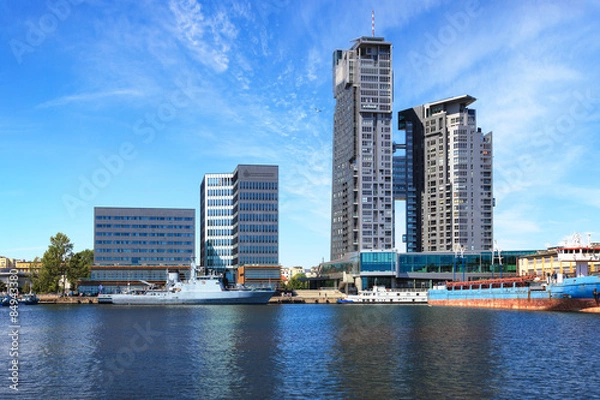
(380,294)
(199,289)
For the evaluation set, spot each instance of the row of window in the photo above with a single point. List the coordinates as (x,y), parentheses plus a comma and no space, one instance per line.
(219,242)
(145,242)
(258,185)
(128,226)
(220,202)
(219,222)
(258,239)
(219,212)
(219,192)
(260,260)
(264,196)
(218,253)
(375,85)
(258,217)
(257,228)
(219,232)
(144,234)
(144,250)
(258,207)
(112,276)
(216,261)
(183,260)
(136,218)
(258,250)
(220,181)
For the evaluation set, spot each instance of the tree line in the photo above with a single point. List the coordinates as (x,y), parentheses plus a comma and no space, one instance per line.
(60,265)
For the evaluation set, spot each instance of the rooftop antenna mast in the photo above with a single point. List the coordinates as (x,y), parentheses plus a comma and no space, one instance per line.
(373,23)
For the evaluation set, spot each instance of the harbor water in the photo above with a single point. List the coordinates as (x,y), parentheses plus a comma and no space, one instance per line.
(298,351)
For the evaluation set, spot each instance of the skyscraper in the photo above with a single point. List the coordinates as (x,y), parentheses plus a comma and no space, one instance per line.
(449,197)
(362,203)
(239,218)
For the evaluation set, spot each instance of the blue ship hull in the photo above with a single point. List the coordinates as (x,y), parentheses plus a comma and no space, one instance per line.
(570,295)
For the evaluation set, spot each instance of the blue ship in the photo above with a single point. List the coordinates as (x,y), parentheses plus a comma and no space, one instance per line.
(520,293)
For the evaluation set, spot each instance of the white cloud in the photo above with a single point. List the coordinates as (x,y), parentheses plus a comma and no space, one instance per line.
(192,27)
(112,95)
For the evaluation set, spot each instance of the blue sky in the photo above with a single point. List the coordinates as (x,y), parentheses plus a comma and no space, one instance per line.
(107,103)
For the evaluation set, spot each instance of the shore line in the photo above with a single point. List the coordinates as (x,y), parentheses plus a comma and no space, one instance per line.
(308,298)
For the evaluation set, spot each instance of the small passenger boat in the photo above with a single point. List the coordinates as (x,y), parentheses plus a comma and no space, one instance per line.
(381,294)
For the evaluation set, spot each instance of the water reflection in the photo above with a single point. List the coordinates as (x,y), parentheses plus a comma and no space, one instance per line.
(303,351)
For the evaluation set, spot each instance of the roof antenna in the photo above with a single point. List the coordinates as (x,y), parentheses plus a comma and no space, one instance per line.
(373,23)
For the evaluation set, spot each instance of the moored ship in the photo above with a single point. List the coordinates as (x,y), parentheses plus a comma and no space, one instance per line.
(521,293)
(199,289)
(548,289)
(380,294)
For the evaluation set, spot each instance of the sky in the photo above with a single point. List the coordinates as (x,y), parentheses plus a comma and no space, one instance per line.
(131,103)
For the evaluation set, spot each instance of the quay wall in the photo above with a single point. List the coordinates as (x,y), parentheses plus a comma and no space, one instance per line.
(58,299)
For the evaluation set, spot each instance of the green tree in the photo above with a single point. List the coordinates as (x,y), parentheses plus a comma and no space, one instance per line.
(297,281)
(79,266)
(55,264)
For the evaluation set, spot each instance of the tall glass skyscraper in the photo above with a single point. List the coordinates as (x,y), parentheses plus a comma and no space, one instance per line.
(239,218)
(362,202)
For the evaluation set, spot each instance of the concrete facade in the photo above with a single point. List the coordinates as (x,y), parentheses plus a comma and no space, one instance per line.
(362,203)
(144,236)
(449,192)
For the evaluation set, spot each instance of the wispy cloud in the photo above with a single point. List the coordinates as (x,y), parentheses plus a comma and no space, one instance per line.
(208,38)
(96,97)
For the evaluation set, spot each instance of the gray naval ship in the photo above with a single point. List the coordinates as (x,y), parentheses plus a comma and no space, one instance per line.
(205,288)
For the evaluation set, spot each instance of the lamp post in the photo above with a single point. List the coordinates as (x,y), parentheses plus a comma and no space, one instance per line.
(462,261)
(454,263)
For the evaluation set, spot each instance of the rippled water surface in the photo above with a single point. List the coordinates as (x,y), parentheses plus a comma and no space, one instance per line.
(300,351)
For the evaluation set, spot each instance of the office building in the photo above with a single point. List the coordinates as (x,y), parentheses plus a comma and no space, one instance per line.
(448,191)
(216,221)
(134,247)
(239,218)
(143,236)
(362,202)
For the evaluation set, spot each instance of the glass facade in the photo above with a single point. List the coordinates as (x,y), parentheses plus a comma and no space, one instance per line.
(349,264)
(450,262)
(384,262)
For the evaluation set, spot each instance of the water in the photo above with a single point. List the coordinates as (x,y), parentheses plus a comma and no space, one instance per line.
(300,352)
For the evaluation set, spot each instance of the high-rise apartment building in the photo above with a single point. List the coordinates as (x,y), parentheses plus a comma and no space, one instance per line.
(449,197)
(239,218)
(362,201)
